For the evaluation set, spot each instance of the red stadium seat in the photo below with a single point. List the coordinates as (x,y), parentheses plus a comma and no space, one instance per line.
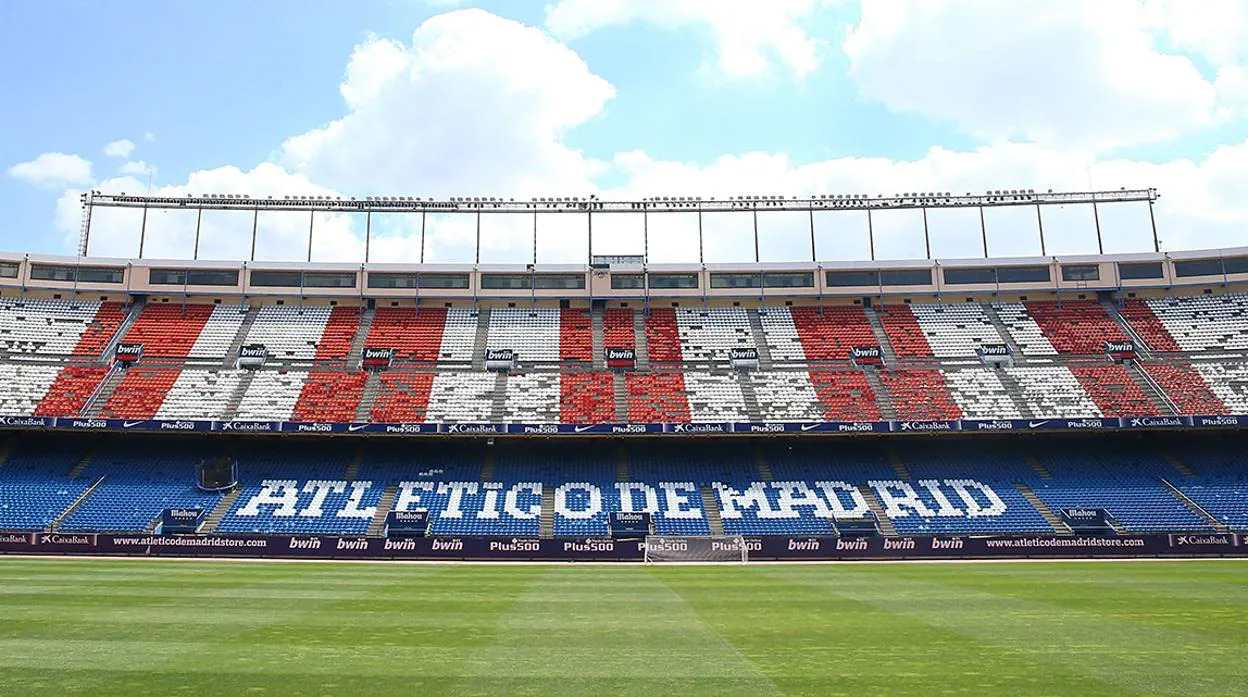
(402,397)
(921,394)
(70,391)
(846,396)
(140,393)
(1113,390)
(414,336)
(904,332)
(330,397)
(586,398)
(340,331)
(663,336)
(576,335)
(656,397)
(829,333)
(1076,326)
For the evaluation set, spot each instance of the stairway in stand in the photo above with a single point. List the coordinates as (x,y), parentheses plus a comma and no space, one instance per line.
(873,503)
(713,518)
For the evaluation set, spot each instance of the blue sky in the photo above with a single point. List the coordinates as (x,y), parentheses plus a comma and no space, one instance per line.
(701,97)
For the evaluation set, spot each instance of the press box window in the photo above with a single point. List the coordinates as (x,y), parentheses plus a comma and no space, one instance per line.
(906,277)
(684,281)
(8,270)
(1023,274)
(187,277)
(627,281)
(1081,272)
(437,281)
(1140,271)
(85,274)
(970,277)
(844,279)
(1203,267)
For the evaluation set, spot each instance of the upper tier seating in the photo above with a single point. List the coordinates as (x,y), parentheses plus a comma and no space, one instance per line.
(71,391)
(57,327)
(708,334)
(461,397)
(33,485)
(426,334)
(920,395)
(656,397)
(904,332)
(1114,390)
(1053,392)
(956,329)
(176,330)
(1228,382)
(715,397)
(1186,388)
(845,396)
(587,398)
(533,333)
(663,335)
(1204,323)
(140,393)
(340,332)
(272,395)
(787,396)
(402,397)
(200,394)
(330,396)
(576,335)
(617,328)
(1076,326)
(139,483)
(289,332)
(23,387)
(781,335)
(980,394)
(413,335)
(1146,324)
(532,398)
(829,333)
(1024,330)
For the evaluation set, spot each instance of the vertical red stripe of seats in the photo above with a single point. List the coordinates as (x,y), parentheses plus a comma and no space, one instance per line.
(586,398)
(69,393)
(656,398)
(1113,390)
(402,397)
(617,328)
(101,329)
(1076,326)
(921,394)
(576,335)
(414,336)
(140,393)
(663,336)
(1145,323)
(168,330)
(330,397)
(339,332)
(904,331)
(1187,389)
(845,396)
(829,335)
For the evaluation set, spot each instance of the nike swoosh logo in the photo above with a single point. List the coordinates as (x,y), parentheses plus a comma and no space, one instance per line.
(1034,424)
(581,429)
(809,427)
(356,427)
(128,424)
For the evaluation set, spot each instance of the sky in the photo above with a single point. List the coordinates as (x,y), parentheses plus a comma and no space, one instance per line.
(623,100)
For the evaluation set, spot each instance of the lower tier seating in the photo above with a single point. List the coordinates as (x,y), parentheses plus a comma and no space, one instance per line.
(923,486)
(140,393)
(71,391)
(1186,388)
(920,394)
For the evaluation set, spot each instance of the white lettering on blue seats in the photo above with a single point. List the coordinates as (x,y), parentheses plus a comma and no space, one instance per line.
(592,500)
(283,493)
(355,500)
(835,493)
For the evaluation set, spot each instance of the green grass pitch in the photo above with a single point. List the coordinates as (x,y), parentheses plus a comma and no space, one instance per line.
(151,627)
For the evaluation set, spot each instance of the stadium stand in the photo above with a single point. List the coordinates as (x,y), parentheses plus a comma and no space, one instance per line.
(921,394)
(980,394)
(23,387)
(586,398)
(663,339)
(845,396)
(304,332)
(1186,388)
(708,334)
(191,330)
(955,329)
(57,327)
(656,397)
(199,394)
(272,395)
(402,397)
(532,333)
(330,397)
(140,393)
(1076,326)
(70,392)
(1199,323)
(1053,392)
(460,397)
(532,398)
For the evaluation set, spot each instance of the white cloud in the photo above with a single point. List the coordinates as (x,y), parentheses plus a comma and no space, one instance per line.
(54,169)
(1215,29)
(137,168)
(478,105)
(119,148)
(149,137)
(1066,73)
(748,35)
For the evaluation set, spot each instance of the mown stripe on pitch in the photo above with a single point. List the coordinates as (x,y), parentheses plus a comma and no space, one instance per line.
(1141,658)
